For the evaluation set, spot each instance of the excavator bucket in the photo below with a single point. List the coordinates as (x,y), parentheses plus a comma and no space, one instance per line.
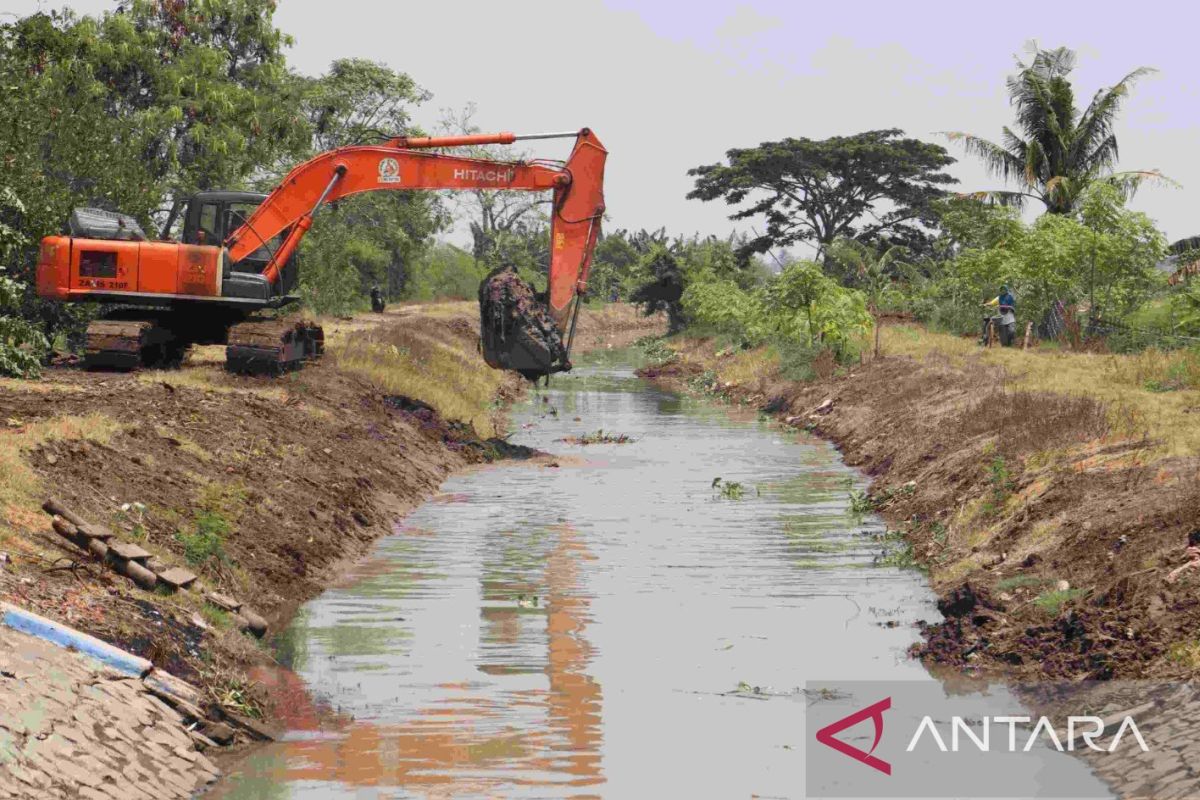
(516,328)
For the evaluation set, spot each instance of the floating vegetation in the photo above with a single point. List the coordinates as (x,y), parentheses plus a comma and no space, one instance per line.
(730,490)
(599,437)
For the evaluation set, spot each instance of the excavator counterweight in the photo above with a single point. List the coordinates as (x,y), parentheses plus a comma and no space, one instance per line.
(238,257)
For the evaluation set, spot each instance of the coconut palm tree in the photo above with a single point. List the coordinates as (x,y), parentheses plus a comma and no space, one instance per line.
(1061,151)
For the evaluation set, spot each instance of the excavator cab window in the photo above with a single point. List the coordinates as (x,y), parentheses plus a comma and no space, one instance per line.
(207,230)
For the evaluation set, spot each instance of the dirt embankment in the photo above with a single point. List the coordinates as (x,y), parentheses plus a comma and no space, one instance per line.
(263,487)
(1048,521)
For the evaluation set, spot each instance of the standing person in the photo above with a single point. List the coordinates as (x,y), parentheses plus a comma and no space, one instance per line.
(1006,320)
(377,303)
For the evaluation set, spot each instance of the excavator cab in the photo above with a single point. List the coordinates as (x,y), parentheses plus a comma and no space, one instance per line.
(209,218)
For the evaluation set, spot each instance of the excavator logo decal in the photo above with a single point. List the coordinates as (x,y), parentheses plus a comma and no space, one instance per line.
(389,170)
(489,175)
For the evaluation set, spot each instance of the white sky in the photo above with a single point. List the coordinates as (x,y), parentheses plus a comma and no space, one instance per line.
(669,86)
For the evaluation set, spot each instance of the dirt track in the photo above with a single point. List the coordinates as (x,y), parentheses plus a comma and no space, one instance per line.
(1048,534)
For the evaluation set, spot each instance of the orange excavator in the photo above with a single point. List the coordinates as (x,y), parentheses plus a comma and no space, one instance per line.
(237,257)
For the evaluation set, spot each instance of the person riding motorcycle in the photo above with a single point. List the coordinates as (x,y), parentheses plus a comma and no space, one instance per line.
(1005,321)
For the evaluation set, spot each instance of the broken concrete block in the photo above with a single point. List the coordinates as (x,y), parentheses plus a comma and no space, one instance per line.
(128,550)
(222,601)
(176,577)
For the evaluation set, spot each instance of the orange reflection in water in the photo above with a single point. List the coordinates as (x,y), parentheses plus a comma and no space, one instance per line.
(473,742)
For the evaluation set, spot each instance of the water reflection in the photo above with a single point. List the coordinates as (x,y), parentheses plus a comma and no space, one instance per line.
(575,631)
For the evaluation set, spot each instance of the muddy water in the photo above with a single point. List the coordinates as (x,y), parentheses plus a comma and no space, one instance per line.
(583,630)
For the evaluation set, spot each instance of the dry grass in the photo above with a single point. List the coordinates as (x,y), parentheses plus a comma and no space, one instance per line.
(20,487)
(182,442)
(337,328)
(1130,385)
(38,386)
(1026,422)
(749,366)
(212,379)
(425,362)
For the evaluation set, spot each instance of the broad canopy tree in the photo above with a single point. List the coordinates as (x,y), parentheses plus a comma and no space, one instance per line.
(872,186)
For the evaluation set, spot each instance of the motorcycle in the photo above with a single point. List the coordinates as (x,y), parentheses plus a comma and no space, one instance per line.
(1002,327)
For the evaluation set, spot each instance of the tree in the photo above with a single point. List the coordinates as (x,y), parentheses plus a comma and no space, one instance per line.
(1104,251)
(491,212)
(665,288)
(867,186)
(207,84)
(1062,151)
(358,101)
(121,110)
(614,258)
(834,317)
(21,344)
(374,238)
(869,269)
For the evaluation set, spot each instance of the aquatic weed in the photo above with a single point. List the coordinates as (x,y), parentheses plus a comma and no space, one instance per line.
(730,490)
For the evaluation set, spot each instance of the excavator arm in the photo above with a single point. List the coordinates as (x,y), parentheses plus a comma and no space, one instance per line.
(409,164)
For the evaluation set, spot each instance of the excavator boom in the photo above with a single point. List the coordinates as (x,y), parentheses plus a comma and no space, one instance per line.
(409,164)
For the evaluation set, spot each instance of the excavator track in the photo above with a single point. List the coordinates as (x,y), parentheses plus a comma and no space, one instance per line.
(272,347)
(127,345)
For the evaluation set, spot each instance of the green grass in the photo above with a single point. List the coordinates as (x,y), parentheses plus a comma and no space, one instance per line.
(899,555)
(1021,582)
(657,351)
(599,437)
(1186,654)
(728,490)
(861,503)
(217,618)
(1052,602)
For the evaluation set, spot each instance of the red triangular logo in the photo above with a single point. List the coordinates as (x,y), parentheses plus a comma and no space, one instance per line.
(873,713)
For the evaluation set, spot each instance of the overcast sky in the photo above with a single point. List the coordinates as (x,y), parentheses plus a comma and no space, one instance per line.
(671,85)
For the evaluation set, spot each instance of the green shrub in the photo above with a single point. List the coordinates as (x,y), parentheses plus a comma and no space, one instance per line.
(204,541)
(802,311)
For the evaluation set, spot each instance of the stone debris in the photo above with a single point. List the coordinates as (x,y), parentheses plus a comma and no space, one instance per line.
(70,727)
(223,602)
(141,566)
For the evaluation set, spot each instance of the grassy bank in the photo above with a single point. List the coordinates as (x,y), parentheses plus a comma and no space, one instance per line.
(1048,493)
